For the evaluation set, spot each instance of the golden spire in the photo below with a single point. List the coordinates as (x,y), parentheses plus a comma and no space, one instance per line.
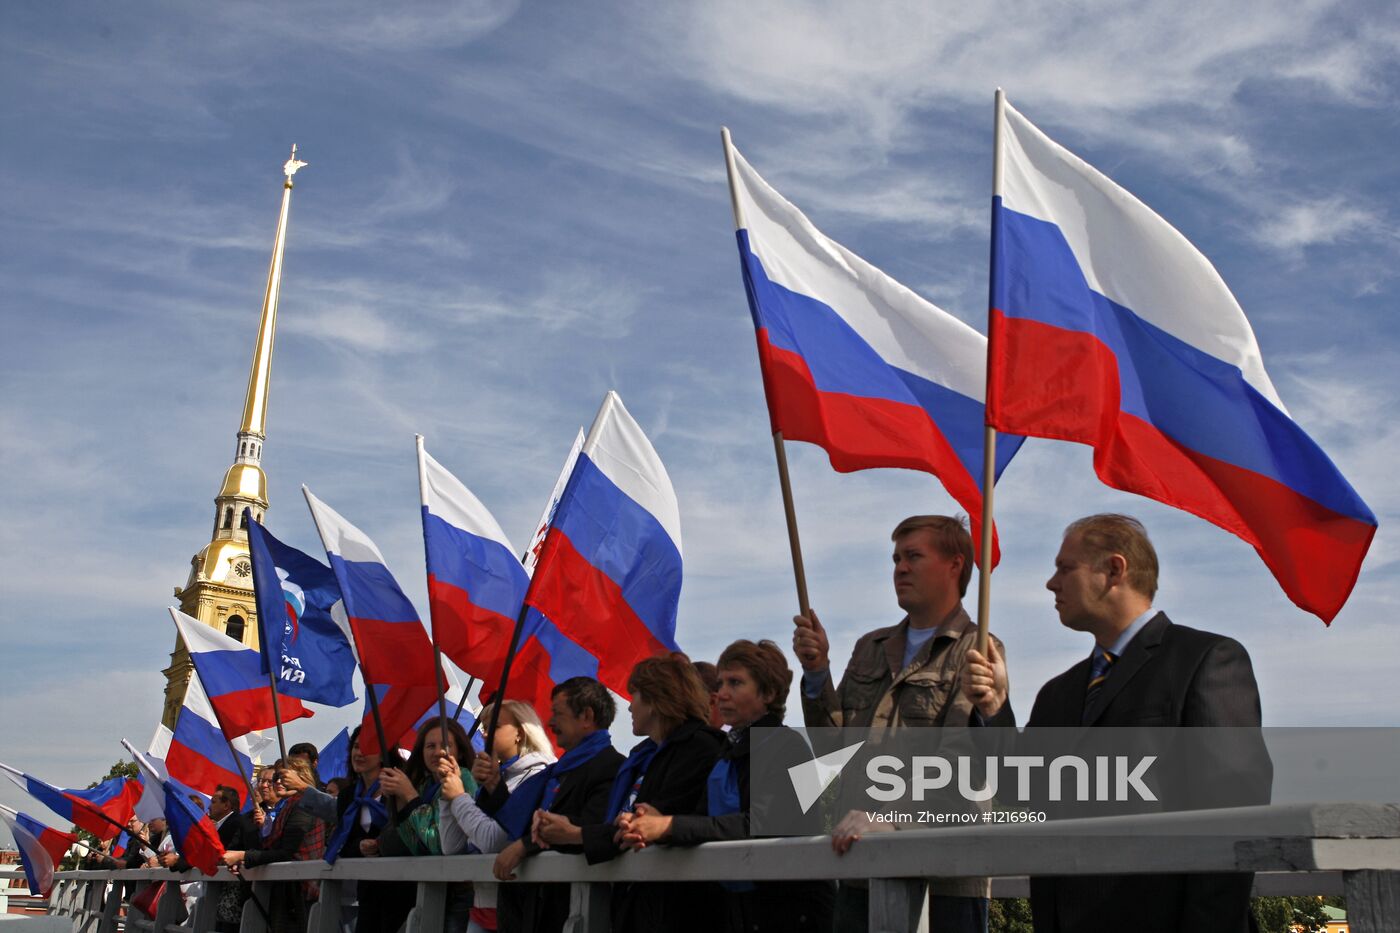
(260,376)
(245,484)
(219,590)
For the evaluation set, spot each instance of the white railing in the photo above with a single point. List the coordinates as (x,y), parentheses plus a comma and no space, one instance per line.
(1350,849)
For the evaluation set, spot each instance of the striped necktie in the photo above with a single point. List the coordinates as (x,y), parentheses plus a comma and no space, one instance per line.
(1099,664)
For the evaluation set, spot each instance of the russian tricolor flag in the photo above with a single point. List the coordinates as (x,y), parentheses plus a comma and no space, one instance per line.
(192,831)
(389,638)
(199,754)
(855,362)
(102,810)
(609,575)
(476,585)
(1110,329)
(40,848)
(230,673)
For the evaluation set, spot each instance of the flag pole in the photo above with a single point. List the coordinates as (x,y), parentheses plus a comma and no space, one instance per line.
(384,749)
(471,681)
(779,449)
(247,779)
(989,442)
(438,679)
(364,678)
(277,714)
(500,696)
(263,650)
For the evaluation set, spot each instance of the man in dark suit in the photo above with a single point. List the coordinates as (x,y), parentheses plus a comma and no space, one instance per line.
(576,787)
(1143,671)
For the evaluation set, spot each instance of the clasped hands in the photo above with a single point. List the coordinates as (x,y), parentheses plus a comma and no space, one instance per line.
(635,830)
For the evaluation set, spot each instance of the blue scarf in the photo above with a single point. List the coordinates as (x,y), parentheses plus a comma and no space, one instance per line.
(378,816)
(538,792)
(722,789)
(629,778)
(722,798)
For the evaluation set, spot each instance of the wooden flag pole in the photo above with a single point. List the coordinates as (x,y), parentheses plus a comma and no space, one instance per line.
(989,442)
(780,451)
(790,512)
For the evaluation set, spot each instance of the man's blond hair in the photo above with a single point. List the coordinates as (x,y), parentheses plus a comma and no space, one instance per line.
(1108,534)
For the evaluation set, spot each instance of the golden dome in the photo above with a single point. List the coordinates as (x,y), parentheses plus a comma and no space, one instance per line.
(246,481)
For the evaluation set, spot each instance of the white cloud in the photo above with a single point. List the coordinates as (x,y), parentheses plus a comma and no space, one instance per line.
(1323,221)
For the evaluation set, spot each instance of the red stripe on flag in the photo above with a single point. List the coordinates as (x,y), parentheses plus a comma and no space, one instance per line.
(242,711)
(193,769)
(399,709)
(863,433)
(1052,382)
(202,846)
(476,639)
(117,810)
(394,652)
(587,606)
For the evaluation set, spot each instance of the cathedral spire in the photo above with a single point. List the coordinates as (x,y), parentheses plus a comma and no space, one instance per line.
(219,591)
(260,375)
(245,484)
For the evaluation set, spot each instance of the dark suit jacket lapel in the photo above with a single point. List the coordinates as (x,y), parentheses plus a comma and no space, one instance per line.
(1139,653)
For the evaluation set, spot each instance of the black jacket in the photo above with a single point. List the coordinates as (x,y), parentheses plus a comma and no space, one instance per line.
(583,798)
(673,782)
(1169,675)
(767,905)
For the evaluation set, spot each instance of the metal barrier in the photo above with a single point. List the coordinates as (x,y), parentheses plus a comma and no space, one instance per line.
(1350,849)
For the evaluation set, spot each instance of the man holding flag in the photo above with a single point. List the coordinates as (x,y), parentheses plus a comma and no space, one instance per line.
(903,675)
(880,378)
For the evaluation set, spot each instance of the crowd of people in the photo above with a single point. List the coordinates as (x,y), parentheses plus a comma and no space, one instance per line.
(688,780)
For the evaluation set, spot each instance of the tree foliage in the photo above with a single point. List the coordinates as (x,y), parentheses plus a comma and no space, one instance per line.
(120,768)
(1290,914)
(1009,915)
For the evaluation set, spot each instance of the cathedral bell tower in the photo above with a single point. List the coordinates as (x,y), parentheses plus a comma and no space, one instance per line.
(219,591)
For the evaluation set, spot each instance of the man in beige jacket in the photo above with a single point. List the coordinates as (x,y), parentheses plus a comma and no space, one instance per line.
(903,675)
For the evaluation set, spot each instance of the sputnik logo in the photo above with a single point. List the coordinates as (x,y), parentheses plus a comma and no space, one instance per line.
(811,778)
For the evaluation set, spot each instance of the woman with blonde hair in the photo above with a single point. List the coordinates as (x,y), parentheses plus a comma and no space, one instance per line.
(519,749)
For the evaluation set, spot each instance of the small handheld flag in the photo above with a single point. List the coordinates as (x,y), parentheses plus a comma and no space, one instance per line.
(102,810)
(40,848)
(192,832)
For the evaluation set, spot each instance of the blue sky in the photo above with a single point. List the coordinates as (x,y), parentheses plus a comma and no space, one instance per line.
(510,209)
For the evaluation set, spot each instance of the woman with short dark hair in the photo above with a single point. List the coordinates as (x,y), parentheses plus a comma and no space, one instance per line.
(754,681)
